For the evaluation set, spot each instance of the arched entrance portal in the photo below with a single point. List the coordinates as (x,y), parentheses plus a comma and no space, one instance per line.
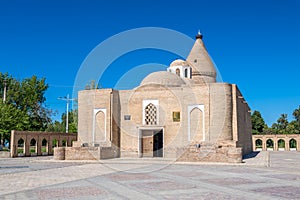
(151,142)
(158,144)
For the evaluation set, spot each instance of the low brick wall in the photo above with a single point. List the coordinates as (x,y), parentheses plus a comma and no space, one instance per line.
(108,152)
(4,154)
(39,137)
(85,153)
(59,153)
(286,138)
(82,153)
(210,154)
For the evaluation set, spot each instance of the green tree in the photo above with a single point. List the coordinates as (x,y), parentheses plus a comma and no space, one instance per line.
(28,96)
(258,123)
(73,121)
(296,115)
(56,126)
(292,128)
(282,124)
(274,129)
(61,126)
(24,106)
(269,130)
(73,116)
(92,85)
(12,118)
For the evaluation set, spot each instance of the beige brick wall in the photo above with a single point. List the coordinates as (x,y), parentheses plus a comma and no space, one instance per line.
(88,100)
(82,153)
(220,112)
(27,136)
(225,116)
(241,121)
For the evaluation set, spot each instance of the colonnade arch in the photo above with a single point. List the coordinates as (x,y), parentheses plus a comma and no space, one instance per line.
(281,144)
(293,143)
(270,144)
(21,146)
(33,147)
(258,143)
(289,142)
(44,147)
(27,143)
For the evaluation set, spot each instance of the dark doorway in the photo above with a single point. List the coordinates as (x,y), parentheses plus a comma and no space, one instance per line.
(158,144)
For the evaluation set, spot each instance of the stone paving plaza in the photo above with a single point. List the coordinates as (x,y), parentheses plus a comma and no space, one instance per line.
(268,175)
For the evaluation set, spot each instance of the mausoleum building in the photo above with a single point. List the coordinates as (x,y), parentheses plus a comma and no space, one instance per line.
(182,113)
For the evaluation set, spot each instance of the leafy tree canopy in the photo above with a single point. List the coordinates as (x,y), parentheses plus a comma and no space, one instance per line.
(24,107)
(281,126)
(258,123)
(296,114)
(61,126)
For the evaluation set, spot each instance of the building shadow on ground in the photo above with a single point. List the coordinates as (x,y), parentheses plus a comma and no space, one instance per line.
(251,155)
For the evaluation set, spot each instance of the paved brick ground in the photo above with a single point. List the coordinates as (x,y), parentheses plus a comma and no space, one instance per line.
(267,175)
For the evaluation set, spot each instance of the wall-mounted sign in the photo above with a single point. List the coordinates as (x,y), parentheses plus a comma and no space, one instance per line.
(176,116)
(127,117)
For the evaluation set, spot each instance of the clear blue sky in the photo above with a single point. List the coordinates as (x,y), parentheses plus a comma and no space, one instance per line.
(255,44)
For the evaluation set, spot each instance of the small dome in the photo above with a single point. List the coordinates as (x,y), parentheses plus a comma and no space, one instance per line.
(179,62)
(163,78)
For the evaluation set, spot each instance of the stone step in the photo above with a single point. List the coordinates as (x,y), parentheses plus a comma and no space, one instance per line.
(207,150)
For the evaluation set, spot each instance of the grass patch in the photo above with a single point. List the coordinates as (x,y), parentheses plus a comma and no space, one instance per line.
(5,149)
(20,150)
(44,149)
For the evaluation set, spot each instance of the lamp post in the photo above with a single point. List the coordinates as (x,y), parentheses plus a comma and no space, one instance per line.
(67,99)
(4,91)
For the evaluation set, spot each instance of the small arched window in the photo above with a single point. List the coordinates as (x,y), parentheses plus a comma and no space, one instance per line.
(186,73)
(178,72)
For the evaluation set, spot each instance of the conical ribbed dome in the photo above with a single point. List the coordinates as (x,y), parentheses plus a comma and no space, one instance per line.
(203,69)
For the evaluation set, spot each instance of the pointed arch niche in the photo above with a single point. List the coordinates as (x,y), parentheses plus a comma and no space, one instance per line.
(99,125)
(192,119)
